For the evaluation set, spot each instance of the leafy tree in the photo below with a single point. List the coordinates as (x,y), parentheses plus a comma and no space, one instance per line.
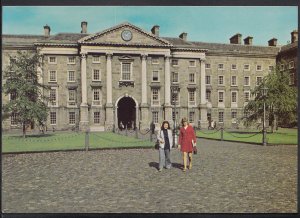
(21,83)
(280,100)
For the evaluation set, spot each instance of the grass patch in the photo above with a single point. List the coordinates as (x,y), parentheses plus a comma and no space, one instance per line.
(69,141)
(282,136)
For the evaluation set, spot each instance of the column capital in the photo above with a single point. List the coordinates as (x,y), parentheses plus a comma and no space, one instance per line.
(167,57)
(83,55)
(144,56)
(109,55)
(202,60)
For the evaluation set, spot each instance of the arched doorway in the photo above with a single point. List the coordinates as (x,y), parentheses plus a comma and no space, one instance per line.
(126,113)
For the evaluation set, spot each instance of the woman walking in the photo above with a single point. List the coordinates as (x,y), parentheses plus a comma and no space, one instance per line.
(165,139)
(187,140)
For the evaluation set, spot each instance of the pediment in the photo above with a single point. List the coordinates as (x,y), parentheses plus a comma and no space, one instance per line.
(113,36)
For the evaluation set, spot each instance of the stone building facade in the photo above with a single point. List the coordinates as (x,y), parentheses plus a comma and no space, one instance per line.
(126,76)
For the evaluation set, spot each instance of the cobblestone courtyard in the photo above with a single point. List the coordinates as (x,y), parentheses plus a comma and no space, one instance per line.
(226,178)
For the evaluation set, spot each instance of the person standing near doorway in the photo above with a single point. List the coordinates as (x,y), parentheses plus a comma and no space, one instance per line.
(165,139)
(186,142)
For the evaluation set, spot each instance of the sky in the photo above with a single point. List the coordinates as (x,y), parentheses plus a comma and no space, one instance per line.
(201,23)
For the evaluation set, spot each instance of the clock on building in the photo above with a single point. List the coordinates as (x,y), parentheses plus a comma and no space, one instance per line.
(126,35)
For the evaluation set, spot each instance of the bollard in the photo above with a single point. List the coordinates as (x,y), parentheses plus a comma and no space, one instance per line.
(136,133)
(222,133)
(87,140)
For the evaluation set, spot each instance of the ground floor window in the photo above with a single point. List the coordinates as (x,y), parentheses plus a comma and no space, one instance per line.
(221,116)
(71,117)
(97,117)
(155,116)
(52,118)
(191,116)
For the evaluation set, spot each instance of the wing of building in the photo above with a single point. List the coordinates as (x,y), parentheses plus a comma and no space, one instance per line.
(125,76)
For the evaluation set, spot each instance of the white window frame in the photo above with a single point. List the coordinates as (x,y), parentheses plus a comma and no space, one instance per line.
(223,100)
(155,117)
(69,76)
(71,123)
(257,80)
(270,68)
(153,101)
(191,103)
(173,77)
(71,57)
(158,77)
(232,67)
(219,120)
(190,63)
(71,103)
(49,75)
(175,60)
(207,76)
(261,67)
(233,119)
(207,66)
(249,81)
(49,58)
(236,80)
(13,119)
(291,65)
(208,95)
(249,97)
(178,99)
(191,116)
(97,102)
(121,79)
(50,118)
(93,76)
(55,104)
(94,117)
(223,66)
(223,84)
(245,68)
(190,75)
(94,61)
(154,60)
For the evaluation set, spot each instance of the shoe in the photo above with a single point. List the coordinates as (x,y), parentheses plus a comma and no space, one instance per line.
(184,169)
(159,170)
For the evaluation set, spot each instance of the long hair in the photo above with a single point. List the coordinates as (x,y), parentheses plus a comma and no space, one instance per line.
(184,120)
(162,125)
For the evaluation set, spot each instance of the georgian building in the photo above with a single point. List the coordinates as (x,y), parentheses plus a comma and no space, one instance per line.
(127,75)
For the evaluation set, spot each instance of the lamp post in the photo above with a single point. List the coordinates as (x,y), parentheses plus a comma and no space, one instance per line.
(175,90)
(265,90)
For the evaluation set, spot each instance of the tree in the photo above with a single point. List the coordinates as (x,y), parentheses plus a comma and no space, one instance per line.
(27,102)
(280,100)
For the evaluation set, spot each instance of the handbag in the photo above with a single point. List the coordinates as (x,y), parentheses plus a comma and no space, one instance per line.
(156,146)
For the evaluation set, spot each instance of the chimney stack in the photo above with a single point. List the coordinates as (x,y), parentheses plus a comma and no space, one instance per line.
(294,36)
(183,36)
(272,42)
(155,30)
(248,40)
(83,27)
(236,39)
(47,30)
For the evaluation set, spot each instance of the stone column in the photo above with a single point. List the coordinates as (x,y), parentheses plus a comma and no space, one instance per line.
(203,103)
(84,121)
(168,107)
(144,122)
(109,106)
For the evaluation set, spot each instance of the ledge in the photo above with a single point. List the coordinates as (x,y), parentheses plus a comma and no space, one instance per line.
(126,83)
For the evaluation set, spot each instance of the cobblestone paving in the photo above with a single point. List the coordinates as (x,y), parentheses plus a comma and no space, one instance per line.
(226,178)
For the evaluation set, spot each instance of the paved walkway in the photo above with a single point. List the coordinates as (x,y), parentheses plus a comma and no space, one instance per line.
(226,178)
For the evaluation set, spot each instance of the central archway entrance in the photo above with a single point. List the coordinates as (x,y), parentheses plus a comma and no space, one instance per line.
(126,113)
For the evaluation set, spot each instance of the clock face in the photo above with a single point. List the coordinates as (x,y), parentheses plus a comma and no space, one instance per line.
(126,35)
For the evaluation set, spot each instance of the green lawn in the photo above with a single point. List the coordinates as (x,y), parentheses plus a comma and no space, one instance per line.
(67,141)
(282,136)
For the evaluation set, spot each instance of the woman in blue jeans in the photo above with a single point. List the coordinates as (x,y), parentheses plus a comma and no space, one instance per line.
(165,139)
